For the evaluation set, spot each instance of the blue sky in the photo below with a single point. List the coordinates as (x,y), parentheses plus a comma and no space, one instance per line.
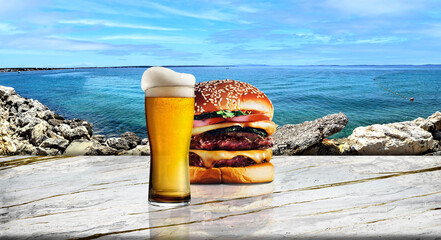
(51,33)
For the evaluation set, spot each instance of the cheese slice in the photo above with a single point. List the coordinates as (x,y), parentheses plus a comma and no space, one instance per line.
(211,157)
(268,126)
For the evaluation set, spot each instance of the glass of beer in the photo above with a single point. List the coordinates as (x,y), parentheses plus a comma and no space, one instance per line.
(169,118)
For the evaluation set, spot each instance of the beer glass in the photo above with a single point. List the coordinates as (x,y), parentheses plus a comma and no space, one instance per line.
(169,118)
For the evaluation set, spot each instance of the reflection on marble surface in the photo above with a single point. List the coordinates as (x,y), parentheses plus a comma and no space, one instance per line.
(106,198)
(176,222)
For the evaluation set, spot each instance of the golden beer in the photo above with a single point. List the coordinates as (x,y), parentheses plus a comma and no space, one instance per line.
(169,125)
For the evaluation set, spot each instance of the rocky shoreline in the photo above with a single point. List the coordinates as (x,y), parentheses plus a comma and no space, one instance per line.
(29,127)
(418,137)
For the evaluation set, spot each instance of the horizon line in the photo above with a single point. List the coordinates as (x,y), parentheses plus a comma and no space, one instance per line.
(226,65)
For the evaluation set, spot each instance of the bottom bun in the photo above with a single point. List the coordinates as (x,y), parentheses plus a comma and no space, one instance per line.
(205,175)
(257,173)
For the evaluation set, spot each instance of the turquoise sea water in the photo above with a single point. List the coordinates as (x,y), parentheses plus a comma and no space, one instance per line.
(112,98)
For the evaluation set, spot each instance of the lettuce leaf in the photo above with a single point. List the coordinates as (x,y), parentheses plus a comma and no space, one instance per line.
(222,113)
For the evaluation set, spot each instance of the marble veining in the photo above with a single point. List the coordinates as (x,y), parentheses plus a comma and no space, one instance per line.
(105,197)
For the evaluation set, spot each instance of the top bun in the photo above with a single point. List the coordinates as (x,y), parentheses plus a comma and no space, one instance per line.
(230,95)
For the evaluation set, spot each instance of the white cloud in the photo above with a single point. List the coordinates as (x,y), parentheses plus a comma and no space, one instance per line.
(114,24)
(247,9)
(4,27)
(432,30)
(13,8)
(218,10)
(209,15)
(379,40)
(54,44)
(159,38)
(314,36)
(373,7)
(32,52)
(8,29)
(103,7)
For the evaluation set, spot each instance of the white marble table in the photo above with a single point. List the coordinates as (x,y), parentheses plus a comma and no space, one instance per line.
(311,196)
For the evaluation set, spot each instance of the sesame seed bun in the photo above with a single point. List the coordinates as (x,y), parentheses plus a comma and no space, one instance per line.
(230,95)
(257,173)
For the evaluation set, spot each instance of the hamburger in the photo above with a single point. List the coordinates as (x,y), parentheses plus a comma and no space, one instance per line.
(231,139)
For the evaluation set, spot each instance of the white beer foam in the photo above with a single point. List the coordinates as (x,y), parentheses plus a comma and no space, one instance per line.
(175,91)
(164,77)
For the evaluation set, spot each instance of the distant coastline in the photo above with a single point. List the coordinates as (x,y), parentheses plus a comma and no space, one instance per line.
(25,69)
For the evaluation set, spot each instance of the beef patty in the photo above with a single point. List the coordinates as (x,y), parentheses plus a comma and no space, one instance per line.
(230,141)
(238,161)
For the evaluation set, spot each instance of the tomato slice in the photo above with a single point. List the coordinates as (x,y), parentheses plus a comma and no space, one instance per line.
(249,118)
(208,121)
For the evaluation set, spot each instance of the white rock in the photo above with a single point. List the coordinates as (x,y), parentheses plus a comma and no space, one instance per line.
(47,151)
(63,130)
(29,149)
(118,143)
(59,143)
(432,123)
(145,141)
(24,120)
(38,133)
(37,105)
(6,91)
(15,100)
(78,133)
(46,114)
(88,147)
(403,138)
(138,151)
(78,147)
(23,108)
